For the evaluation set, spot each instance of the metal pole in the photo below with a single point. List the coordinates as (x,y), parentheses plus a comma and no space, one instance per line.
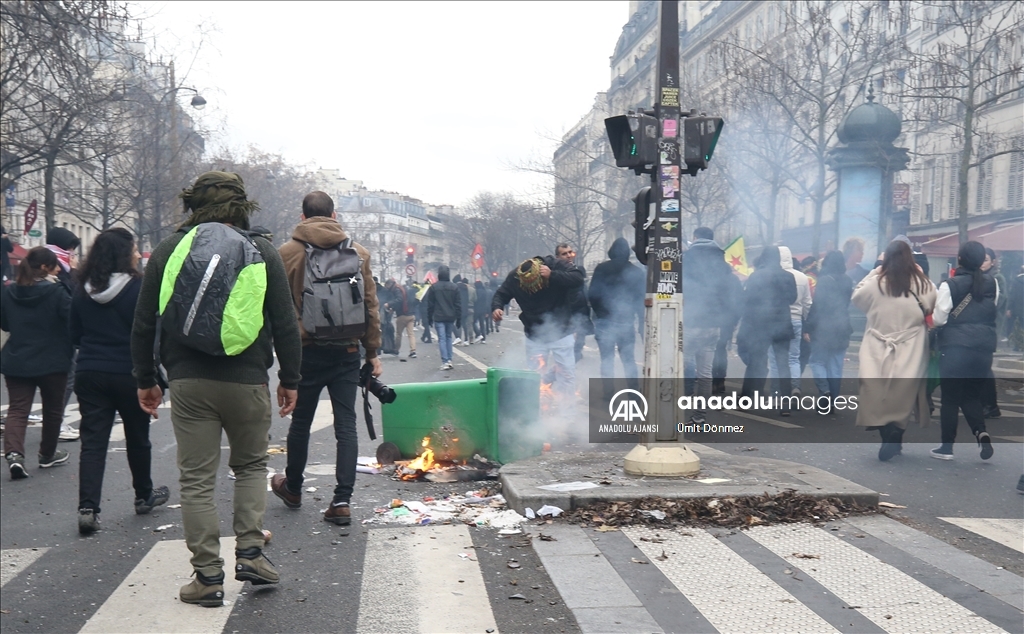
(660,453)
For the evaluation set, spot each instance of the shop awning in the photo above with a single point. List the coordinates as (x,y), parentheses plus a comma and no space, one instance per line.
(948,245)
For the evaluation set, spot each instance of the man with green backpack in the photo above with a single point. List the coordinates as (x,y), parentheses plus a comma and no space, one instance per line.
(214,307)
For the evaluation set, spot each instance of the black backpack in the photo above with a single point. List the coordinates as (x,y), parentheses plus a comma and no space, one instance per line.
(332,295)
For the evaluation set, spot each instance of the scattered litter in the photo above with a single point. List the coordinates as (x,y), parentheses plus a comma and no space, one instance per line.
(604,528)
(663,556)
(530,515)
(713,480)
(510,531)
(174,506)
(517,597)
(638,561)
(727,512)
(546,538)
(274,450)
(475,508)
(547,509)
(160,529)
(658,515)
(890,505)
(466,556)
(787,571)
(564,487)
(513,564)
(366,464)
(310,489)
(749,449)
(653,540)
(806,556)
(367,469)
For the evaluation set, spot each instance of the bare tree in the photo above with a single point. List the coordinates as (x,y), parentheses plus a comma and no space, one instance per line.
(974,67)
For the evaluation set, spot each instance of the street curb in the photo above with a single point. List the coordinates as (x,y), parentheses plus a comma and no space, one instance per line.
(747,477)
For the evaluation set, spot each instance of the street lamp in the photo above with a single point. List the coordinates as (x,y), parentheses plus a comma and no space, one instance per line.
(198,102)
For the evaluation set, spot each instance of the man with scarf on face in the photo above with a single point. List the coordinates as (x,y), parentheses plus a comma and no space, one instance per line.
(220,394)
(545,287)
(64,244)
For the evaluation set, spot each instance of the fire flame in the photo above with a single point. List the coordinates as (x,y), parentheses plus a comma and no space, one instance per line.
(424,461)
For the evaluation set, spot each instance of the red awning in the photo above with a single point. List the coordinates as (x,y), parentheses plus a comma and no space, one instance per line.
(949,245)
(17,255)
(1008,238)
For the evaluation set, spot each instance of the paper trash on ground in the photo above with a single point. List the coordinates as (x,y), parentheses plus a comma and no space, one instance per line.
(563,487)
(476,508)
(713,480)
(547,509)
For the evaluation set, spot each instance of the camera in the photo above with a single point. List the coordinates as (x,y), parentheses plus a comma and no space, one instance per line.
(369,382)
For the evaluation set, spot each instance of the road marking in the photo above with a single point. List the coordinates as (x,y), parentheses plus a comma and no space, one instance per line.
(1008,532)
(777,423)
(727,589)
(411,582)
(14,560)
(147,600)
(117,431)
(473,362)
(1017,439)
(890,598)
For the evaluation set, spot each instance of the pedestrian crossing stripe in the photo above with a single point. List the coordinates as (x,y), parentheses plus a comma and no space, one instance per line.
(1008,532)
(14,560)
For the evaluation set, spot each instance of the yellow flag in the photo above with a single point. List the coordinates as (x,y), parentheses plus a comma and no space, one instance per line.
(736,256)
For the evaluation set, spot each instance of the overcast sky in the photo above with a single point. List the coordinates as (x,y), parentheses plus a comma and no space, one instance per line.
(435,100)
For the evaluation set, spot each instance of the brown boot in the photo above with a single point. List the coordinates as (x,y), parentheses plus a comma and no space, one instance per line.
(339,514)
(279,485)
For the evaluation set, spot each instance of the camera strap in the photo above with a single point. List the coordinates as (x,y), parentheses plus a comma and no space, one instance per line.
(367,415)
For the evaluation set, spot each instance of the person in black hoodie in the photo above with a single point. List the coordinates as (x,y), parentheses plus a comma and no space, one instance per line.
(65,245)
(766,324)
(617,292)
(37,355)
(5,261)
(966,308)
(705,304)
(481,311)
(102,311)
(544,288)
(828,327)
(444,312)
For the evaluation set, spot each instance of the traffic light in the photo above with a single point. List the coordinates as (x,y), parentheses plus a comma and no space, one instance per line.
(634,141)
(700,135)
(410,255)
(641,214)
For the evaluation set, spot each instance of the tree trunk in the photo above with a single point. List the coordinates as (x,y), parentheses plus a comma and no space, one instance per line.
(49,206)
(965,164)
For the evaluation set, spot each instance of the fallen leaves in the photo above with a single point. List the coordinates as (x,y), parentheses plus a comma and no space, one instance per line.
(806,556)
(638,561)
(663,556)
(726,512)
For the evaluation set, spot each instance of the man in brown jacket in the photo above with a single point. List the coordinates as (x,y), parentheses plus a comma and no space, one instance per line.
(334,364)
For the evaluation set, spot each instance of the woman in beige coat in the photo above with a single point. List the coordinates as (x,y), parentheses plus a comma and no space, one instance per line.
(894,353)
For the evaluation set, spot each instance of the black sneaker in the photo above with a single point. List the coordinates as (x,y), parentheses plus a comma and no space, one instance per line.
(943,452)
(156,498)
(412,355)
(985,442)
(88,521)
(58,458)
(253,566)
(992,412)
(16,463)
(1020,485)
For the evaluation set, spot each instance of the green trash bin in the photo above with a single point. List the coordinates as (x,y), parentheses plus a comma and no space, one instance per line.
(498,418)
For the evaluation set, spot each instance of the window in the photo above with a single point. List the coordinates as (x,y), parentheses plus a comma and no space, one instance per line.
(928,190)
(954,185)
(1015,182)
(983,190)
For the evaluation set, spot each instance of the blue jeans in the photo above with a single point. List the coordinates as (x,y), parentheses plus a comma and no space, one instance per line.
(563,357)
(827,368)
(445,337)
(699,353)
(794,359)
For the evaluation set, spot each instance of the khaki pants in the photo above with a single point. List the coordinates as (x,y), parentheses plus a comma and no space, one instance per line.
(201,409)
(405,323)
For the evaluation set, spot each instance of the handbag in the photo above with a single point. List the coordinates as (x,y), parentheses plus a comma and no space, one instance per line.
(929,320)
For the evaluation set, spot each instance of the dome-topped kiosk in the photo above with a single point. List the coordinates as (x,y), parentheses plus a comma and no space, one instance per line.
(865,160)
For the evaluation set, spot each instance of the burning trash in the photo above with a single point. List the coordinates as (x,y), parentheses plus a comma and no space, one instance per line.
(431,468)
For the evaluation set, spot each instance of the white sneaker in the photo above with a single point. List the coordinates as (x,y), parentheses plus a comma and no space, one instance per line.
(449,366)
(478,339)
(35,418)
(68,434)
(457,342)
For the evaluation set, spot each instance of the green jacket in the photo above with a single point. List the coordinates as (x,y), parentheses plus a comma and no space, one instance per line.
(280,331)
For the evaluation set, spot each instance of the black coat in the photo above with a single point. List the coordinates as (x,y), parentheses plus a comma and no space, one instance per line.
(828,323)
(975,326)
(443,303)
(766,299)
(617,290)
(37,318)
(547,314)
(103,332)
(705,286)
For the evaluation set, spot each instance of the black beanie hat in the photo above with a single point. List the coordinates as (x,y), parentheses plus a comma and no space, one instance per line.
(62,238)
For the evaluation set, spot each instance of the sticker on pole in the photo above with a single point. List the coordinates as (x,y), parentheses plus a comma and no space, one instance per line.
(670,206)
(670,97)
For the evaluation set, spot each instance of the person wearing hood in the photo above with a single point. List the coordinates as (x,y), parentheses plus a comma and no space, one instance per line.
(333,365)
(705,302)
(5,261)
(65,244)
(102,310)
(444,312)
(965,308)
(218,395)
(545,287)
(798,312)
(617,292)
(766,325)
(37,355)
(467,299)
(582,324)
(828,325)
(481,311)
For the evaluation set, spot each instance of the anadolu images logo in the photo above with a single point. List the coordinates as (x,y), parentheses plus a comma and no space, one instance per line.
(627,409)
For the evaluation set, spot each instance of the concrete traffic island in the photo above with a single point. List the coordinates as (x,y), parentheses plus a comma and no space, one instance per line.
(721,475)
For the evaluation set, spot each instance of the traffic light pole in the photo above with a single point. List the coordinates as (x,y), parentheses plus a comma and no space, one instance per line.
(661,453)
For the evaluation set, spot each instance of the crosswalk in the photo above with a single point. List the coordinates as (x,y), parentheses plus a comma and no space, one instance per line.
(864,574)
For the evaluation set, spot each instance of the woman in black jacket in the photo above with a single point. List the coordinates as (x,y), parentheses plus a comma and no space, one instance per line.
(766,324)
(966,309)
(37,355)
(102,311)
(828,326)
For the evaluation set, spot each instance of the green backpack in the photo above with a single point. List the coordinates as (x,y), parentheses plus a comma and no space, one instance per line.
(212,292)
